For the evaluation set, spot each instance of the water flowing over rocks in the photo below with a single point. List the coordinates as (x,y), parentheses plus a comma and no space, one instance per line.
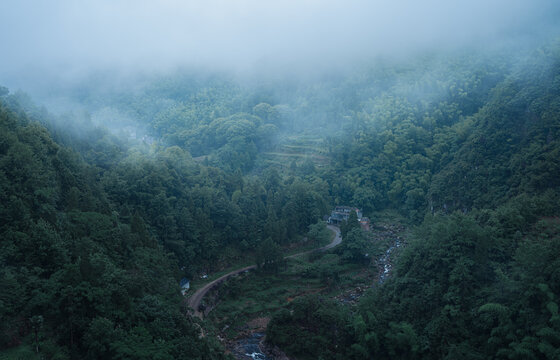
(393,234)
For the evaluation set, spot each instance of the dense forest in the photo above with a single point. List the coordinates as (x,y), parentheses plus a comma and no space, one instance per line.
(104,209)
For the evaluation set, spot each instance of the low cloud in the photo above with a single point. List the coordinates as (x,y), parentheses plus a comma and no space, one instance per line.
(64,39)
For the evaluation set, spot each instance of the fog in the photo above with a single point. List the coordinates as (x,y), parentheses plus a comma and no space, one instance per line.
(63,40)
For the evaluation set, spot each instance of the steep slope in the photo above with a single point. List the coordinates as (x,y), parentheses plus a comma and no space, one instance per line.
(479,279)
(89,284)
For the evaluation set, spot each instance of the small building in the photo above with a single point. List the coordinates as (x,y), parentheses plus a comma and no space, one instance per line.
(185,285)
(342,213)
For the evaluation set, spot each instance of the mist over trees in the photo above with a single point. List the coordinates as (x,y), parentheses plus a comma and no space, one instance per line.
(85,210)
(229,134)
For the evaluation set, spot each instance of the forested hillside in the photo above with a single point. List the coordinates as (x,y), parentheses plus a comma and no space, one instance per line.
(105,209)
(90,280)
(104,244)
(480,279)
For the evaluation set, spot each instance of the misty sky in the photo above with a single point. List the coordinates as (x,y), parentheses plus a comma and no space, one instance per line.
(67,37)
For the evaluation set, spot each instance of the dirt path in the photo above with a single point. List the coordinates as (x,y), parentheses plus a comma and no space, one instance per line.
(196,298)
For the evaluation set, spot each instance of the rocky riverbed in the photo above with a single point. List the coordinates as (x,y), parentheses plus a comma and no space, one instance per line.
(249,347)
(394,235)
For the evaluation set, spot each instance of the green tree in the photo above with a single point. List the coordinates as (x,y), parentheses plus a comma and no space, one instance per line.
(269,256)
(318,233)
(350,224)
(355,245)
(401,341)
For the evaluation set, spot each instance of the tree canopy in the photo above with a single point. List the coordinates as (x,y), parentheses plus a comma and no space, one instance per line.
(100,223)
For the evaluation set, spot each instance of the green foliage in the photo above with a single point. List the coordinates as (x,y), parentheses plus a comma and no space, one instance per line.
(355,245)
(319,234)
(312,328)
(80,275)
(402,341)
(97,230)
(270,257)
(349,225)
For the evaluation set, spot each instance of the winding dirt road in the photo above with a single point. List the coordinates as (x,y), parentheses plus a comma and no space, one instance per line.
(196,298)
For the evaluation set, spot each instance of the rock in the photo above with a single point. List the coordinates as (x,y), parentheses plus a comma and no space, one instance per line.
(274,352)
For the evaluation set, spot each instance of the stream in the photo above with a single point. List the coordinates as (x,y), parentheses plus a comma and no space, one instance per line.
(385,260)
(248,348)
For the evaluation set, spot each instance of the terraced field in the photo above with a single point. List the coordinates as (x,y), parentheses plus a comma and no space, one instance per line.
(298,150)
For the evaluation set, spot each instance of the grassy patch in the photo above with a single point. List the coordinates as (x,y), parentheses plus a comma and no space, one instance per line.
(297,246)
(260,295)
